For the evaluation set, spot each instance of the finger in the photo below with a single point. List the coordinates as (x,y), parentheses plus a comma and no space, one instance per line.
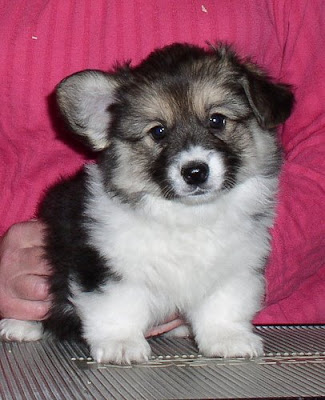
(35,233)
(33,261)
(160,329)
(26,234)
(28,310)
(31,287)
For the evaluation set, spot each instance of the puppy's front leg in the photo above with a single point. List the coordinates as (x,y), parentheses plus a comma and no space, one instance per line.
(114,323)
(222,322)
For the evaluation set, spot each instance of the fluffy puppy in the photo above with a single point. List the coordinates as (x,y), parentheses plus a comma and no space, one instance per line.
(174,217)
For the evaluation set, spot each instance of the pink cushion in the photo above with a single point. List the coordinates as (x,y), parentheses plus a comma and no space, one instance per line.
(42,42)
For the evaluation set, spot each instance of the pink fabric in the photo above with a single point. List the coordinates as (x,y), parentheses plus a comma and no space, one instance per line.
(43,41)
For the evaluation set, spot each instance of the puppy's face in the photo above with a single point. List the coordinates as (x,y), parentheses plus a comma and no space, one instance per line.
(186,124)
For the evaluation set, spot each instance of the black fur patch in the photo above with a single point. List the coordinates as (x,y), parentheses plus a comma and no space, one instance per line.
(69,254)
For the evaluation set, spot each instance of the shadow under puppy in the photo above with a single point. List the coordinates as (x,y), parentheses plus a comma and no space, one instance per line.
(174,217)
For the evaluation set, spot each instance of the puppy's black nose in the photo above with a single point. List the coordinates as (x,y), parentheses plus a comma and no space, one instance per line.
(195,173)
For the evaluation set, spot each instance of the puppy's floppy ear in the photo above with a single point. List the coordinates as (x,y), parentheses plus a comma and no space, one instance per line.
(84,99)
(272,103)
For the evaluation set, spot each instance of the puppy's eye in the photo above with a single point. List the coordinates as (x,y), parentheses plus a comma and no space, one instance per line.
(217,121)
(158,132)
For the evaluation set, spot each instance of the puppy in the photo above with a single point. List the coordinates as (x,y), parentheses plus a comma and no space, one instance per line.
(174,217)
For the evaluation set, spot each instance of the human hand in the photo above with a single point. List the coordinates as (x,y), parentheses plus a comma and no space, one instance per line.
(24,291)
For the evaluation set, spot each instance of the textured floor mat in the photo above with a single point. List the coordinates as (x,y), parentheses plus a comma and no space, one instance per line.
(293,366)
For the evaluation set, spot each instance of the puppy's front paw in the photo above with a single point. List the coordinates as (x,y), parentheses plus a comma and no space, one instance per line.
(121,351)
(14,329)
(231,343)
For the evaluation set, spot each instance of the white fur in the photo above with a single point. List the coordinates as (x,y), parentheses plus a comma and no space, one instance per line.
(14,329)
(202,260)
(179,332)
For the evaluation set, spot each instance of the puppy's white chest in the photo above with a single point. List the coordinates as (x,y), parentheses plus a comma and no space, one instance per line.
(176,254)
(144,246)
(173,248)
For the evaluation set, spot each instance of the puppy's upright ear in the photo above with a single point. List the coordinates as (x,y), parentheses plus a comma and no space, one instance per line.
(84,99)
(272,103)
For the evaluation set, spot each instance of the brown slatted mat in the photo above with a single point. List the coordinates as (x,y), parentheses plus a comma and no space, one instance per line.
(293,366)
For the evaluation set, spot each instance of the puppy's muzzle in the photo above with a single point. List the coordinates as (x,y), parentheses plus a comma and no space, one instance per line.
(195,173)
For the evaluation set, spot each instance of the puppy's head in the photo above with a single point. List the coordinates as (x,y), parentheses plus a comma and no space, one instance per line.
(186,123)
